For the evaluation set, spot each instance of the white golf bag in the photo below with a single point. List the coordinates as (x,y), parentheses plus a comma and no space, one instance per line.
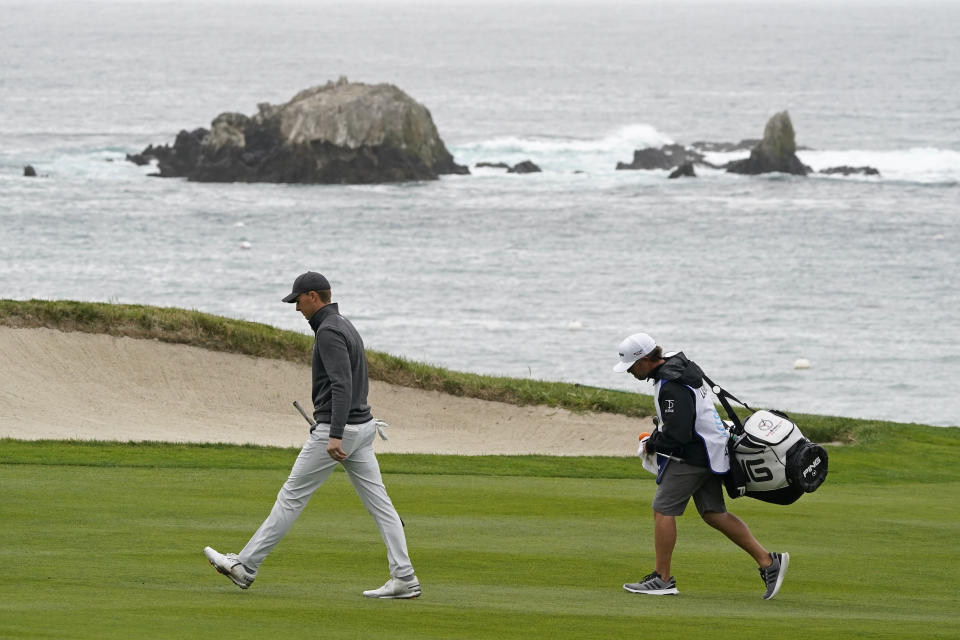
(773,461)
(770,459)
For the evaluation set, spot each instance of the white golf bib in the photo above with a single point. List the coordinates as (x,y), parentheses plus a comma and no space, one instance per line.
(707,426)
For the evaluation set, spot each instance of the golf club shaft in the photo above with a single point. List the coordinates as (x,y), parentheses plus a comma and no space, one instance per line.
(304,414)
(669,457)
(656,425)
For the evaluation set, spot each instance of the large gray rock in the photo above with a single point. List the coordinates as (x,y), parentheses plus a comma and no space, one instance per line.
(777,152)
(340,132)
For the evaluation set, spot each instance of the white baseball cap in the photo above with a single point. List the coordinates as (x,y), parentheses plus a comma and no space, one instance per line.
(632,349)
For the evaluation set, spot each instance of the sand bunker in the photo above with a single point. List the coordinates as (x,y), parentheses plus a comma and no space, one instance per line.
(56,385)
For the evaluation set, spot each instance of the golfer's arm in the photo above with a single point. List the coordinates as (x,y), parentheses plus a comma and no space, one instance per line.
(332,348)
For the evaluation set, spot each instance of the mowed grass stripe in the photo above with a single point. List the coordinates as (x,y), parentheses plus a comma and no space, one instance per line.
(227,456)
(116,553)
(895,454)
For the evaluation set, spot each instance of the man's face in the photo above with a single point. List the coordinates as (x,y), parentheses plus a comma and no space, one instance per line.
(308,303)
(641,368)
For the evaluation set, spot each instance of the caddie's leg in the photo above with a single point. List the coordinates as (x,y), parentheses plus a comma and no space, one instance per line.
(312,468)
(738,531)
(678,482)
(364,473)
(664,540)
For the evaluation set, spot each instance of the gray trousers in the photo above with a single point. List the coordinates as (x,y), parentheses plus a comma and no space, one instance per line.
(312,468)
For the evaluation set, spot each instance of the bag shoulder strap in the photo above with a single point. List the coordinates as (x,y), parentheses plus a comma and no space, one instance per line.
(722,395)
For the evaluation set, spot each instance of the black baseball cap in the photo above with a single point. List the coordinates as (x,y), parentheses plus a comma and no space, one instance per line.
(309,281)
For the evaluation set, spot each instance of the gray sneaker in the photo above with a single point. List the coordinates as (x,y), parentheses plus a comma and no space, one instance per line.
(653,585)
(773,575)
(229,565)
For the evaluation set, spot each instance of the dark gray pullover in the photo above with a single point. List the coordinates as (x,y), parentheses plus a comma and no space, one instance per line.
(340,383)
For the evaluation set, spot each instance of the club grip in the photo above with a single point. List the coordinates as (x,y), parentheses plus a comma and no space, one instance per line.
(304,414)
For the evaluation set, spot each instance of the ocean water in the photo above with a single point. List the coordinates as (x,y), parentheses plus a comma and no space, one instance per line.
(536,275)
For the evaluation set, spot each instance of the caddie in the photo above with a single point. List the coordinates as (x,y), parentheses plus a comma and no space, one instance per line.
(691,449)
(343,435)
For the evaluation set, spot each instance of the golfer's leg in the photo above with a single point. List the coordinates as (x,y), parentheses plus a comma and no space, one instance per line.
(738,532)
(312,468)
(364,473)
(664,540)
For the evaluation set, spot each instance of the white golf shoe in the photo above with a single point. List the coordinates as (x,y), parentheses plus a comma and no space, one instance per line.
(396,588)
(229,565)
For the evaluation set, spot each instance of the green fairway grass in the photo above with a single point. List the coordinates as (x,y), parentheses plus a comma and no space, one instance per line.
(105,541)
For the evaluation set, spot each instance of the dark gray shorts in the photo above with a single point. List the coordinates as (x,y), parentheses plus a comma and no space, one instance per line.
(680,482)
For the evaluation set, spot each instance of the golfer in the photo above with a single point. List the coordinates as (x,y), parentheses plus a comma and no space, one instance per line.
(343,434)
(691,449)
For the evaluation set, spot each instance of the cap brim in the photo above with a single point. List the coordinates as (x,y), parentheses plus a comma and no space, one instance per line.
(620,367)
(292,297)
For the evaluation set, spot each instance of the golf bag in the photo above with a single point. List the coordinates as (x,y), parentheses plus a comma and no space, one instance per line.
(770,459)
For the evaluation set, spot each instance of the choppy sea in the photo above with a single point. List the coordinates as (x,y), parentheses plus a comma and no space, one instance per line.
(535,275)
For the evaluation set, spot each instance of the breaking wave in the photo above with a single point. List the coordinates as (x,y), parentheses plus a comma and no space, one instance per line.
(600,155)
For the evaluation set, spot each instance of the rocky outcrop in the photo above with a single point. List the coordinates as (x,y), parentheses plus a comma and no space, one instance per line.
(524,167)
(666,157)
(684,171)
(848,171)
(180,160)
(29,172)
(527,166)
(775,153)
(340,132)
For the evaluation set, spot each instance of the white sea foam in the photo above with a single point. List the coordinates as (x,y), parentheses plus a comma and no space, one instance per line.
(560,153)
(598,155)
(922,165)
(632,136)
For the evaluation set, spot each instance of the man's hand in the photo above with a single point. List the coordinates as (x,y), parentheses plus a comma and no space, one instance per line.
(650,444)
(335,449)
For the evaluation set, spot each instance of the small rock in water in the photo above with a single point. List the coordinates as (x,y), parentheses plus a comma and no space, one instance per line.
(801,363)
(526,166)
(684,171)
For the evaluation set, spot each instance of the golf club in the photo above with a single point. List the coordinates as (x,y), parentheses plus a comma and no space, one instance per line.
(306,417)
